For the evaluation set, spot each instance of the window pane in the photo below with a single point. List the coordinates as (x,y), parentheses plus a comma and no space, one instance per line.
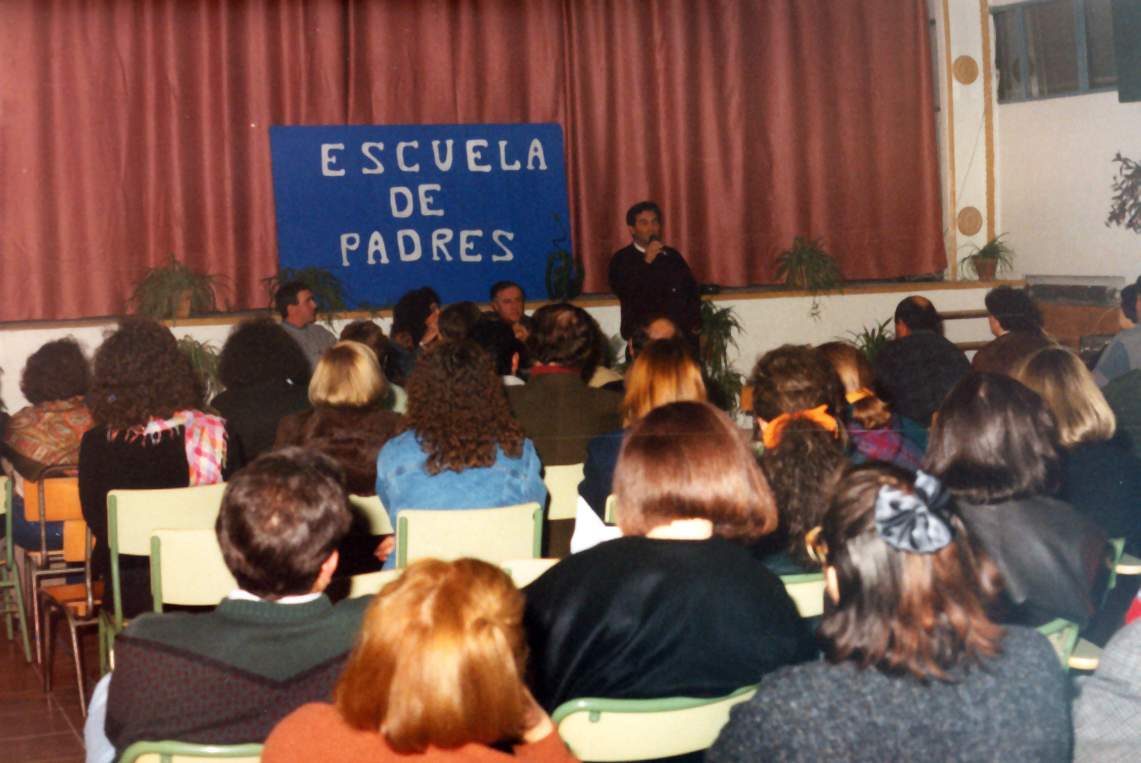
(1099,43)
(1052,48)
(1006,56)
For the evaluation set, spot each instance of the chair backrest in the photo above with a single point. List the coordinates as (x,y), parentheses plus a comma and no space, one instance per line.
(6,510)
(371,507)
(562,485)
(611,513)
(370,583)
(807,591)
(1063,635)
(511,532)
(187,568)
(643,729)
(183,752)
(525,571)
(60,499)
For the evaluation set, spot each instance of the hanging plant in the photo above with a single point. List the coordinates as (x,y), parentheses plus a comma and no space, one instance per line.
(330,292)
(174,291)
(805,266)
(565,274)
(1126,207)
(718,325)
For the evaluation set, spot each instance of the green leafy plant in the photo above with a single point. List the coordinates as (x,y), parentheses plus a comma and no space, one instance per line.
(805,266)
(1126,207)
(717,335)
(565,274)
(871,340)
(992,257)
(204,357)
(330,292)
(174,291)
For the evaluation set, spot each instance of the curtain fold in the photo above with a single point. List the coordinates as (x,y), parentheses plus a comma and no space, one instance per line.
(131,129)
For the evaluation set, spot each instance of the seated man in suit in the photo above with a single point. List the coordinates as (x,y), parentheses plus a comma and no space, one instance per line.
(274,644)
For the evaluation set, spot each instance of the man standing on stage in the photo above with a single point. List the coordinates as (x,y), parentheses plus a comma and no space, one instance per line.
(653,280)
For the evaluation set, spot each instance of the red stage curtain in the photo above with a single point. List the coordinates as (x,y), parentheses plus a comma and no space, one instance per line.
(133,129)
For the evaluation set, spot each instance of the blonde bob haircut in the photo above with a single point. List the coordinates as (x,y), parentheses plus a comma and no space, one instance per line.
(1069,391)
(347,376)
(662,373)
(687,460)
(439,660)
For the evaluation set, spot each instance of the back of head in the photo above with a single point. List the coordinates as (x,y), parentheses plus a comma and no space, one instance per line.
(56,371)
(915,607)
(918,314)
(258,351)
(856,375)
(458,319)
(642,206)
(656,327)
(440,660)
(564,334)
(1014,309)
(411,311)
(286,295)
(662,373)
(458,409)
(687,460)
(1129,302)
(370,335)
(794,378)
(494,335)
(1067,388)
(994,440)
(140,374)
(347,376)
(281,518)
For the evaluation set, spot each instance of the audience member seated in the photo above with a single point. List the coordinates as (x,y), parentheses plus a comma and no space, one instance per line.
(1123,394)
(372,336)
(1123,353)
(874,432)
(677,606)
(1016,322)
(994,446)
(149,434)
(437,675)
(298,310)
(415,326)
(457,320)
(1101,478)
(508,301)
(461,448)
(915,670)
(47,432)
(663,372)
(1109,703)
(798,401)
(918,368)
(494,335)
(266,375)
(227,676)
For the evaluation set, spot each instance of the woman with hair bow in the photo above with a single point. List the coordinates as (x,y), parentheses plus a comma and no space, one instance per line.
(914,668)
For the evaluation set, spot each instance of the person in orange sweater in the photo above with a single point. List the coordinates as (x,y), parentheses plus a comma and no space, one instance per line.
(437,674)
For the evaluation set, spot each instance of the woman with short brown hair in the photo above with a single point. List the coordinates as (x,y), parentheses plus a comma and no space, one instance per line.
(437,671)
(915,669)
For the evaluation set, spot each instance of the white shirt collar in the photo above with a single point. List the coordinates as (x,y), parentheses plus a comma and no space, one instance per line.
(239,595)
(639,247)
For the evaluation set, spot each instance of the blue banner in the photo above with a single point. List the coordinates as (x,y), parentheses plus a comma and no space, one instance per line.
(393,208)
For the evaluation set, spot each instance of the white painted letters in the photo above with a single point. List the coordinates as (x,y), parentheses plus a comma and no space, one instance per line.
(426,200)
(473,157)
(405,255)
(496,236)
(465,245)
(376,244)
(365,149)
(447,163)
(328,160)
(400,156)
(441,236)
(536,150)
(409,204)
(349,243)
(503,158)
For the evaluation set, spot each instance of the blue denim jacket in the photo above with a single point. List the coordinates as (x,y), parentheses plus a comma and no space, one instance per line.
(403,483)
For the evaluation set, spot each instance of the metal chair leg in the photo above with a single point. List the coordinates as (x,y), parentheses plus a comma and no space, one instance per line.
(78,665)
(48,649)
(19,596)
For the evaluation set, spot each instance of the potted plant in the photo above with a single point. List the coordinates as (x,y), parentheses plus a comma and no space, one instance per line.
(990,258)
(329,291)
(805,266)
(564,273)
(174,292)
(718,325)
(204,358)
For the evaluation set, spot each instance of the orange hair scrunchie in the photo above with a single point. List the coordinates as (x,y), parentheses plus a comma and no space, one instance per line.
(857,395)
(819,415)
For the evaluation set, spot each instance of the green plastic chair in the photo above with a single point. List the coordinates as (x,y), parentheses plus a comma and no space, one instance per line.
(523,572)
(373,510)
(643,729)
(187,569)
(493,535)
(11,592)
(1086,655)
(184,752)
(1063,636)
(562,486)
(807,592)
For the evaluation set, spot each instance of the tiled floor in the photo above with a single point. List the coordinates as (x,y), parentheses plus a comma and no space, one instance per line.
(37,727)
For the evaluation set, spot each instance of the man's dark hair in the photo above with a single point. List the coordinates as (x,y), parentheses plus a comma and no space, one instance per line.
(566,335)
(56,371)
(639,208)
(458,319)
(1129,302)
(411,311)
(286,295)
(499,286)
(641,336)
(370,335)
(1014,309)
(494,335)
(281,518)
(259,350)
(919,315)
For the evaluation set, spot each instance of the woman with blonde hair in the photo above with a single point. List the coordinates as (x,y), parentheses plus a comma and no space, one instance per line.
(663,372)
(437,672)
(1101,477)
(875,433)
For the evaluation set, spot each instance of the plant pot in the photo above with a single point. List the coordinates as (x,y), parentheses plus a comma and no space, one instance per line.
(182,305)
(985,269)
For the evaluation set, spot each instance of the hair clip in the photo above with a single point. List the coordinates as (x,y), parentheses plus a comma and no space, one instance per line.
(914,522)
(110,398)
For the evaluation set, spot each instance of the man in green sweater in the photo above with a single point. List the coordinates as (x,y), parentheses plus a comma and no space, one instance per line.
(276,643)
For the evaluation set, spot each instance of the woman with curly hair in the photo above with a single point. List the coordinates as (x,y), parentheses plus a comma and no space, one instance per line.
(460,447)
(266,375)
(149,433)
(798,401)
(47,432)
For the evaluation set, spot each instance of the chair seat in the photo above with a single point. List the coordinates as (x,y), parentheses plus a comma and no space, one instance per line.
(1086,656)
(74,596)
